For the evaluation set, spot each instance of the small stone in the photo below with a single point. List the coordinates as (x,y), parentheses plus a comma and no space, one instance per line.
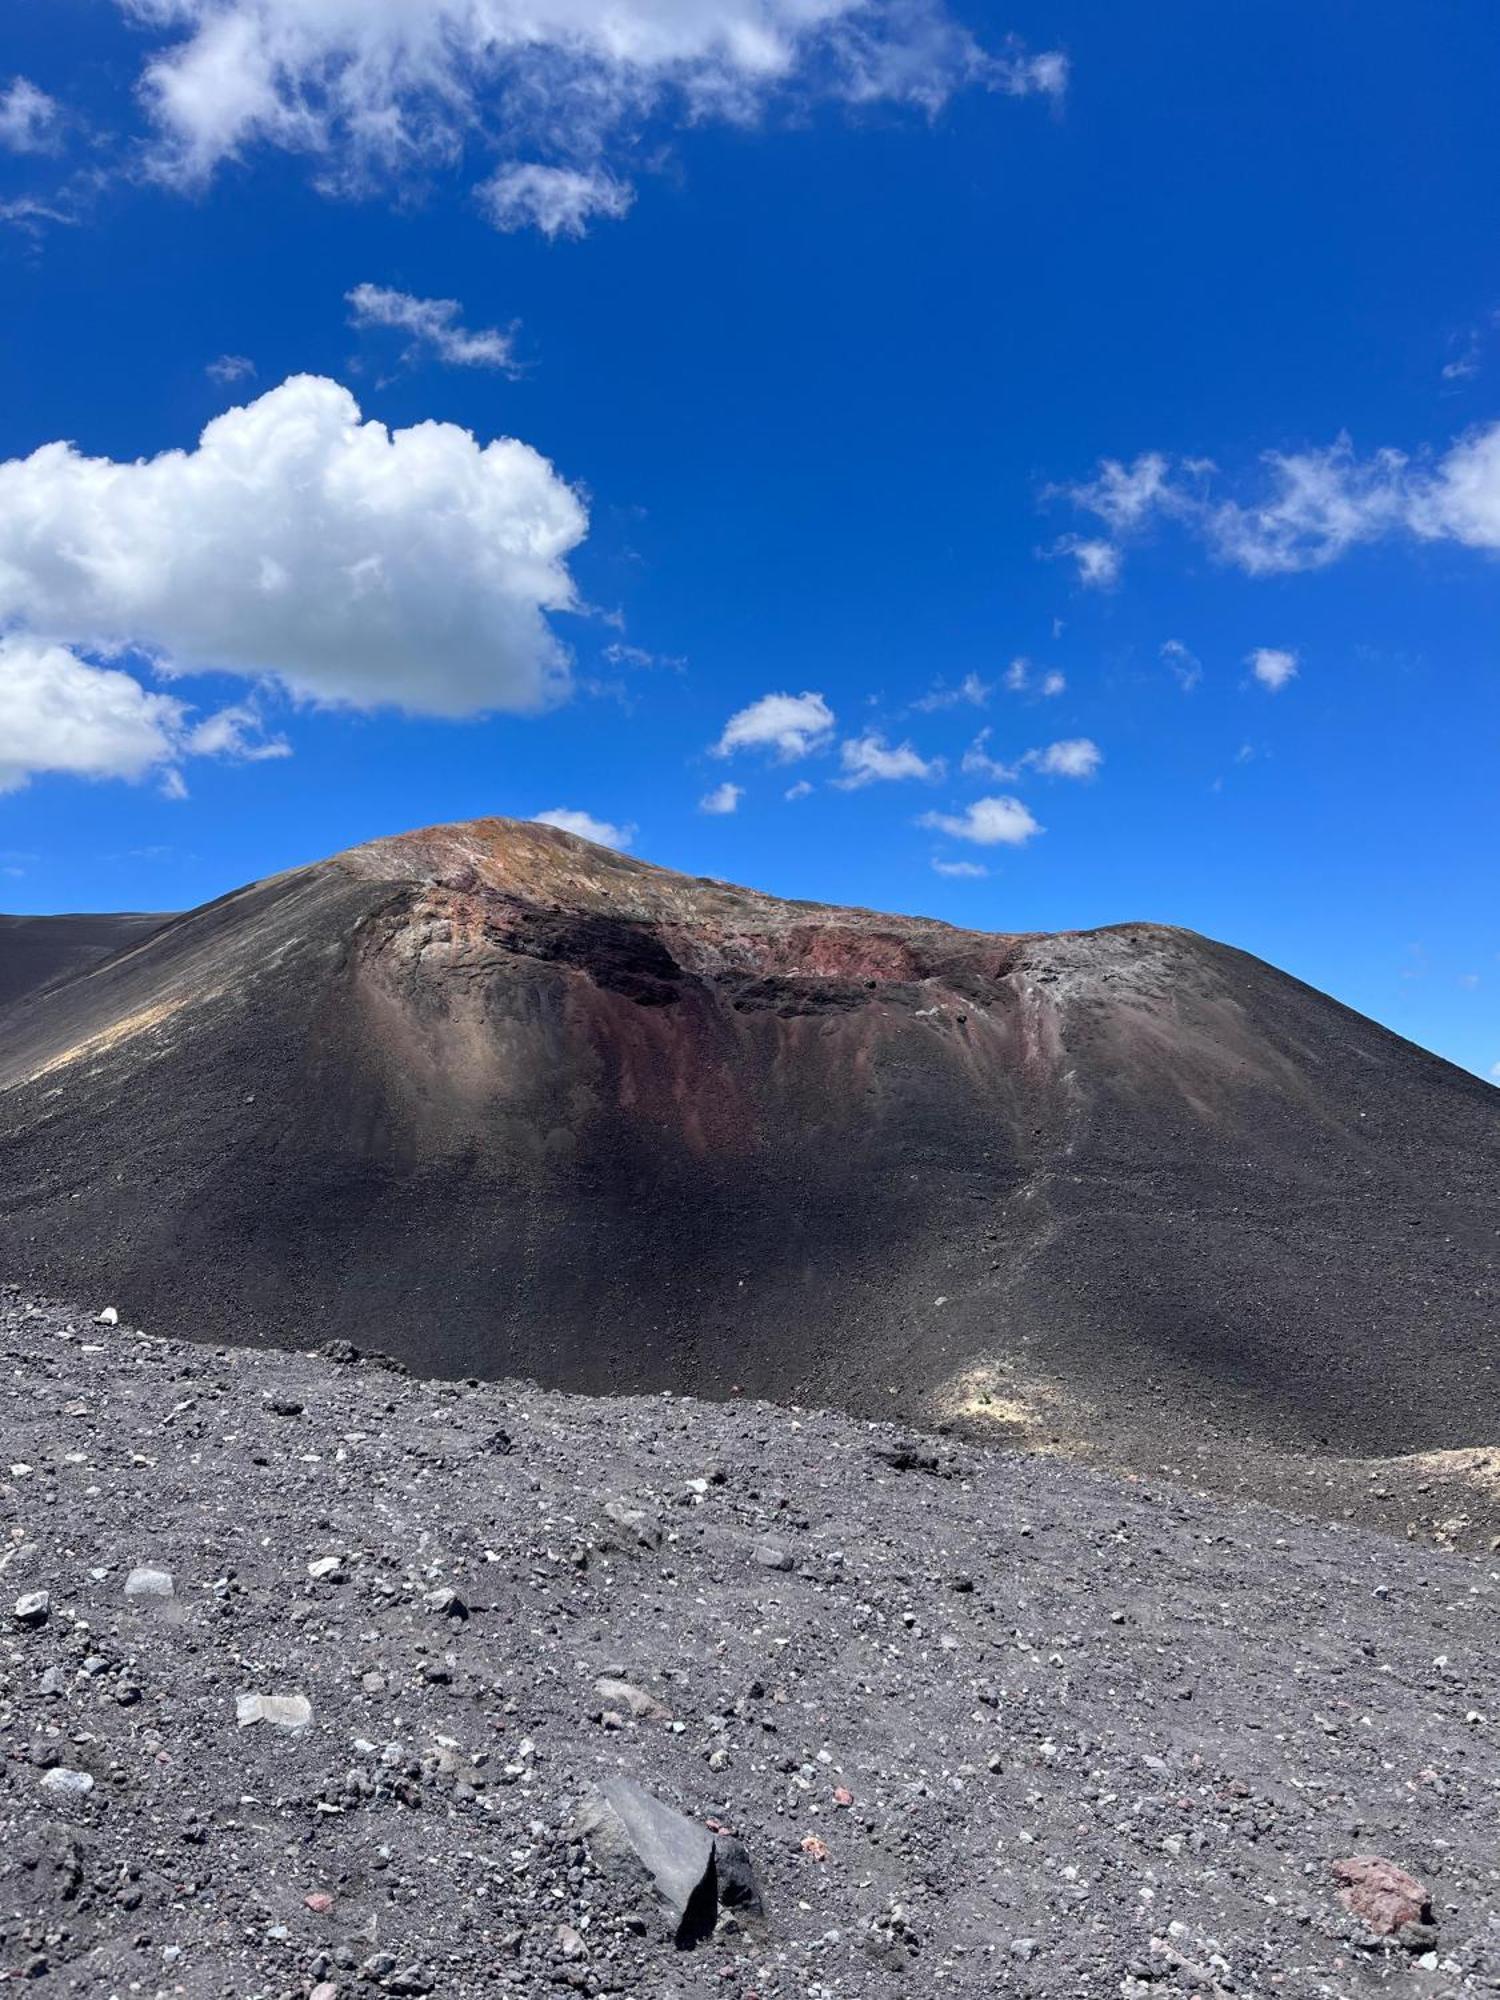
(324,1990)
(814,1848)
(771,1557)
(282,1711)
(569,1942)
(842,1796)
(109,1317)
(326,1569)
(446,1602)
(150,1586)
(319,1902)
(65,1783)
(624,1695)
(1023,1948)
(33,1608)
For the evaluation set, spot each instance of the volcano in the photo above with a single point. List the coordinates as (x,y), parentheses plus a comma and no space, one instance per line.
(500,1102)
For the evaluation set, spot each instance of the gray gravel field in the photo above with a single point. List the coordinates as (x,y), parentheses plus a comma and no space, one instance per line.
(308,1667)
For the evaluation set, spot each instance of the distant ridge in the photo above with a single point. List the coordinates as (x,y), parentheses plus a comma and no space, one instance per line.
(36,951)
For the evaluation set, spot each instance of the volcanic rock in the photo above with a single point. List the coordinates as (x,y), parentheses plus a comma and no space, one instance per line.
(635,1837)
(1382,1895)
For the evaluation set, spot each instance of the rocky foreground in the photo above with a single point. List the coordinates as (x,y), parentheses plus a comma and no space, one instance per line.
(318,1680)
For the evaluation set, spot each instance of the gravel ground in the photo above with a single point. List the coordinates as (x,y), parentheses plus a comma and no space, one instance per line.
(987,1723)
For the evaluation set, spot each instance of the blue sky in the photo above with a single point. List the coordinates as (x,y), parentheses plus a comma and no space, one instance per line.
(820,343)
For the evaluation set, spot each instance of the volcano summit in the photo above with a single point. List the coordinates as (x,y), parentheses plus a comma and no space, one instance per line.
(499,1101)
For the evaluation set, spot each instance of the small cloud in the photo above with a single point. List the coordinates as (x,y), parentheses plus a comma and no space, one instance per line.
(723,798)
(433,324)
(30,120)
(1495,1071)
(230,368)
(869,758)
(987,822)
(1018,676)
(793,725)
(967,871)
(1077,757)
(1053,683)
(1099,562)
(1469,980)
(173,784)
(978,763)
(560,201)
(798,791)
(620,655)
(600,831)
(237,733)
(1185,665)
(1272,667)
(970,689)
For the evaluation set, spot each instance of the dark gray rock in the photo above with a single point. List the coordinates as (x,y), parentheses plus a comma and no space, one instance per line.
(637,1839)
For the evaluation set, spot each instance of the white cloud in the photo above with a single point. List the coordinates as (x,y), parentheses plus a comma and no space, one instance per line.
(967,871)
(800,790)
(978,763)
(987,822)
(230,368)
(1054,683)
(723,798)
(1076,757)
(353,564)
(1099,562)
(1272,667)
(372,87)
(1185,665)
(793,725)
(1018,676)
(560,201)
(970,689)
(433,323)
(869,757)
(65,716)
(1073,757)
(586,826)
(236,732)
(59,714)
(1316,505)
(29,119)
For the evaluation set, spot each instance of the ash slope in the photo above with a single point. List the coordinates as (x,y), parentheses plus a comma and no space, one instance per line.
(503,1102)
(37,951)
(1057,1734)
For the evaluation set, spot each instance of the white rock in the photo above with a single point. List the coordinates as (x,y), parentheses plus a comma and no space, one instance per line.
(109,1317)
(326,1569)
(32,1607)
(67,1784)
(154,1586)
(282,1711)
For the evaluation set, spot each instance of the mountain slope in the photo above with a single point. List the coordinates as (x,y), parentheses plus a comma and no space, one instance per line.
(36,951)
(500,1101)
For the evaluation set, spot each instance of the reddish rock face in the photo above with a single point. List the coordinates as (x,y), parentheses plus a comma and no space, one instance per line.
(1382,1895)
(499,1101)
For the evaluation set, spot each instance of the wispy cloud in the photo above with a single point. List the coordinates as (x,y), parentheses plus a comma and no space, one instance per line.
(1311,509)
(869,759)
(433,326)
(562,89)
